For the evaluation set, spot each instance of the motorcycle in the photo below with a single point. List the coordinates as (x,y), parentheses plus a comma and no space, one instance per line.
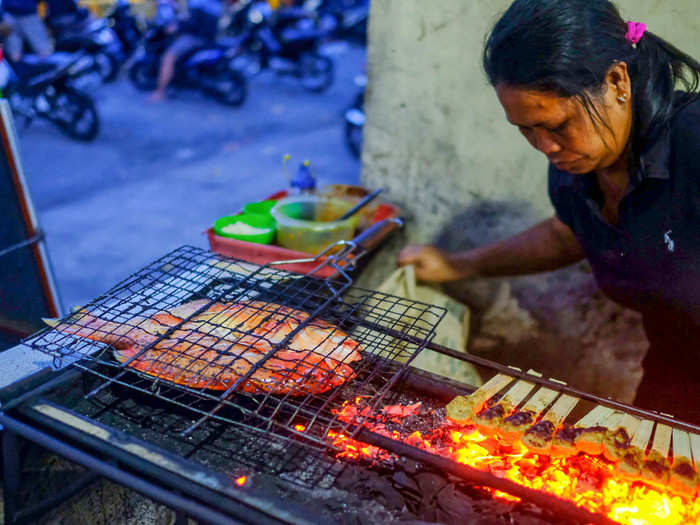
(79,31)
(208,68)
(44,88)
(355,119)
(125,26)
(287,42)
(345,19)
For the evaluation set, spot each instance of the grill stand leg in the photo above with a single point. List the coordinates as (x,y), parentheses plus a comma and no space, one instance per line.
(10,474)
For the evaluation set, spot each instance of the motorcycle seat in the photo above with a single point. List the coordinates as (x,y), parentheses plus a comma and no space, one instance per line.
(202,54)
(292,35)
(31,65)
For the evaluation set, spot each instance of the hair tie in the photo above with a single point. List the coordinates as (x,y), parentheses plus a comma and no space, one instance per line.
(635,31)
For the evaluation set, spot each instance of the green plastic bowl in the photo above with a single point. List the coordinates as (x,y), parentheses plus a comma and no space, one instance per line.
(225,226)
(259,208)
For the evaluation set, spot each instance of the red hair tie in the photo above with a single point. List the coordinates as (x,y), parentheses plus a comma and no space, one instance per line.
(635,31)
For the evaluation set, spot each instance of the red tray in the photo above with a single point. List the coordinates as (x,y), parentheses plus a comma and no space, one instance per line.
(265,253)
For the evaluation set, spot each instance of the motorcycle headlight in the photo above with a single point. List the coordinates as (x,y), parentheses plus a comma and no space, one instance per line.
(255,16)
(105,36)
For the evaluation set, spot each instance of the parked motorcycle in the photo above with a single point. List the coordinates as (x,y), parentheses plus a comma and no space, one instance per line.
(79,31)
(208,68)
(125,25)
(287,42)
(44,88)
(345,19)
(355,119)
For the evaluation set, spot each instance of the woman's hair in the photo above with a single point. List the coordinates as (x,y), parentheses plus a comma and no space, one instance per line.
(568,46)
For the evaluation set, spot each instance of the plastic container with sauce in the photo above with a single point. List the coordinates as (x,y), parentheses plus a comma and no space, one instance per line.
(308,223)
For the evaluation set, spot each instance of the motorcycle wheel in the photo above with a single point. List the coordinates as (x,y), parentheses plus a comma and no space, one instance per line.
(316,72)
(107,66)
(75,114)
(144,75)
(230,87)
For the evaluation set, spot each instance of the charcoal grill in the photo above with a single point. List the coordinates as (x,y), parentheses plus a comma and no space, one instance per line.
(187,447)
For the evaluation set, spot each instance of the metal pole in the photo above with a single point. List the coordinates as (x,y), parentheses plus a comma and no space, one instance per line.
(11,474)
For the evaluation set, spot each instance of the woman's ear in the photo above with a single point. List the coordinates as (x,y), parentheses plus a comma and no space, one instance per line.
(617,80)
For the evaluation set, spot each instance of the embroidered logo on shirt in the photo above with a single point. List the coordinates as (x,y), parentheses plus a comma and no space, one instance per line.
(670,245)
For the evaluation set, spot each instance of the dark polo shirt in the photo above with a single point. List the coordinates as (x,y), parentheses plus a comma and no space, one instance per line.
(649,261)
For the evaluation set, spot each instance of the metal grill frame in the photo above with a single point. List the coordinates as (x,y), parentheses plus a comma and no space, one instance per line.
(388,328)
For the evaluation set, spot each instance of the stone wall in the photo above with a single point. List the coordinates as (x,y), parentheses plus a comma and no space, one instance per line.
(437,140)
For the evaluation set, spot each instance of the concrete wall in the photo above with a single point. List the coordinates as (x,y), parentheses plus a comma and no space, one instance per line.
(436,138)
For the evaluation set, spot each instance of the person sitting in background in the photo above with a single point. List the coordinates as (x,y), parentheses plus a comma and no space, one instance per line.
(26,24)
(597,96)
(197,30)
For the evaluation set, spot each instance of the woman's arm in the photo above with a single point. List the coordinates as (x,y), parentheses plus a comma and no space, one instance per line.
(546,246)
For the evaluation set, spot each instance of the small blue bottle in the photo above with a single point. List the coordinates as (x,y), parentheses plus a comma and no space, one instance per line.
(303,182)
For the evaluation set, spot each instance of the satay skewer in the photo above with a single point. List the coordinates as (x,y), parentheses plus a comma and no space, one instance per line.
(461,409)
(631,464)
(490,419)
(564,441)
(514,426)
(590,439)
(538,437)
(682,477)
(655,468)
(616,442)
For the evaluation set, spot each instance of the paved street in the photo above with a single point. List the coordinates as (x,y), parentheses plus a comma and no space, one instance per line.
(158,175)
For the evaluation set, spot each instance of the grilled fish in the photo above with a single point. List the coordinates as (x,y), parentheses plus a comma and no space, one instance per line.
(219,343)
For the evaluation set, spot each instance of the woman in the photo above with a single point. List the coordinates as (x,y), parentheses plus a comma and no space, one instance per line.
(596,95)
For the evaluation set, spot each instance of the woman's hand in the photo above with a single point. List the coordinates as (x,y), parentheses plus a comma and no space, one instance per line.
(432,264)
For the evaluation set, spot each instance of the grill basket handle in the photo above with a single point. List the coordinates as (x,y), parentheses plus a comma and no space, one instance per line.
(373,236)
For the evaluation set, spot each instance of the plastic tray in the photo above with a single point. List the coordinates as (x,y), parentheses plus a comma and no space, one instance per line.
(265,253)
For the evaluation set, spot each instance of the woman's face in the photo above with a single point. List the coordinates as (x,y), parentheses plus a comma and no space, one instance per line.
(561,128)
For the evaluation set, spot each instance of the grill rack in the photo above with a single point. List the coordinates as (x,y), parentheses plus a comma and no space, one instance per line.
(389,329)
